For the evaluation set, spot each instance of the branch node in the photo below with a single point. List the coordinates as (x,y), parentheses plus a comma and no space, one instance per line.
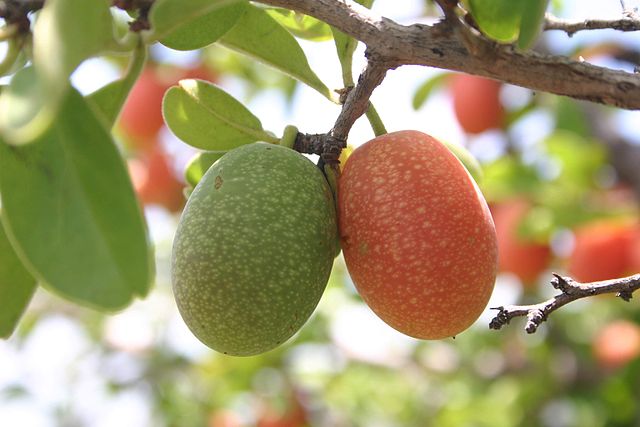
(501,319)
(534,319)
(564,284)
(626,295)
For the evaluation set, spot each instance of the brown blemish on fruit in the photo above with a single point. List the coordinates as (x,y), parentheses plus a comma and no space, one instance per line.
(363,248)
(218,182)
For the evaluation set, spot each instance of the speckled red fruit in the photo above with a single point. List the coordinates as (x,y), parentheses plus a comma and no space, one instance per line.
(602,250)
(525,259)
(476,103)
(417,235)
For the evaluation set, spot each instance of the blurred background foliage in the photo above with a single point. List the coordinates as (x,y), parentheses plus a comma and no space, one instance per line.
(563,199)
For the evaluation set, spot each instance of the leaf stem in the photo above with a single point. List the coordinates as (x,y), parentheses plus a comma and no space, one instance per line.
(289,136)
(8,32)
(375,120)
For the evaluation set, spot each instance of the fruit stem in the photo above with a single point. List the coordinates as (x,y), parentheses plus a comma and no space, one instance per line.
(375,121)
(289,136)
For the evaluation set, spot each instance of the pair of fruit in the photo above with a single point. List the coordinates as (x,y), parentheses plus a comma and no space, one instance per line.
(256,242)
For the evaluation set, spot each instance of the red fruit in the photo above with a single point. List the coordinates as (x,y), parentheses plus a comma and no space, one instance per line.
(417,235)
(294,416)
(617,344)
(476,103)
(634,254)
(602,251)
(525,259)
(155,182)
(141,116)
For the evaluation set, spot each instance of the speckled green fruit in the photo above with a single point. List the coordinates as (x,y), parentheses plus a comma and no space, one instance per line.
(254,248)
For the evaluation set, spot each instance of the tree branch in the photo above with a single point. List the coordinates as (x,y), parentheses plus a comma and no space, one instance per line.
(570,291)
(441,46)
(571,27)
(355,104)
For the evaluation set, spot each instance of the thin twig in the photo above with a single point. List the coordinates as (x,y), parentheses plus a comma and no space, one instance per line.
(571,27)
(356,102)
(570,291)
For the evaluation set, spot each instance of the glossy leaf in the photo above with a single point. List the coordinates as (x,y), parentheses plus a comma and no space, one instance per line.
(109,99)
(532,22)
(168,16)
(260,36)
(199,164)
(206,117)
(300,25)
(425,89)
(205,29)
(66,33)
(16,286)
(22,106)
(498,19)
(70,209)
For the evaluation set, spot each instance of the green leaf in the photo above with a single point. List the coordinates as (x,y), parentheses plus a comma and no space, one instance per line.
(70,209)
(109,99)
(16,287)
(498,19)
(66,33)
(580,159)
(570,116)
(22,107)
(199,164)
(345,46)
(205,116)
(300,25)
(532,22)
(206,29)
(258,35)
(168,16)
(425,89)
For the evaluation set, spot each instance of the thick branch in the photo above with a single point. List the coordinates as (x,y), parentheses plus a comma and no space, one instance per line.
(438,46)
(570,291)
(570,27)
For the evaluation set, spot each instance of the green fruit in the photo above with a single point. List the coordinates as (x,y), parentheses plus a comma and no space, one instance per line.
(254,248)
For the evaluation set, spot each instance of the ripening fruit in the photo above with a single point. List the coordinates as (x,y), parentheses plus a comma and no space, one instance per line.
(601,251)
(617,344)
(525,259)
(476,103)
(141,116)
(417,235)
(254,248)
(155,182)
